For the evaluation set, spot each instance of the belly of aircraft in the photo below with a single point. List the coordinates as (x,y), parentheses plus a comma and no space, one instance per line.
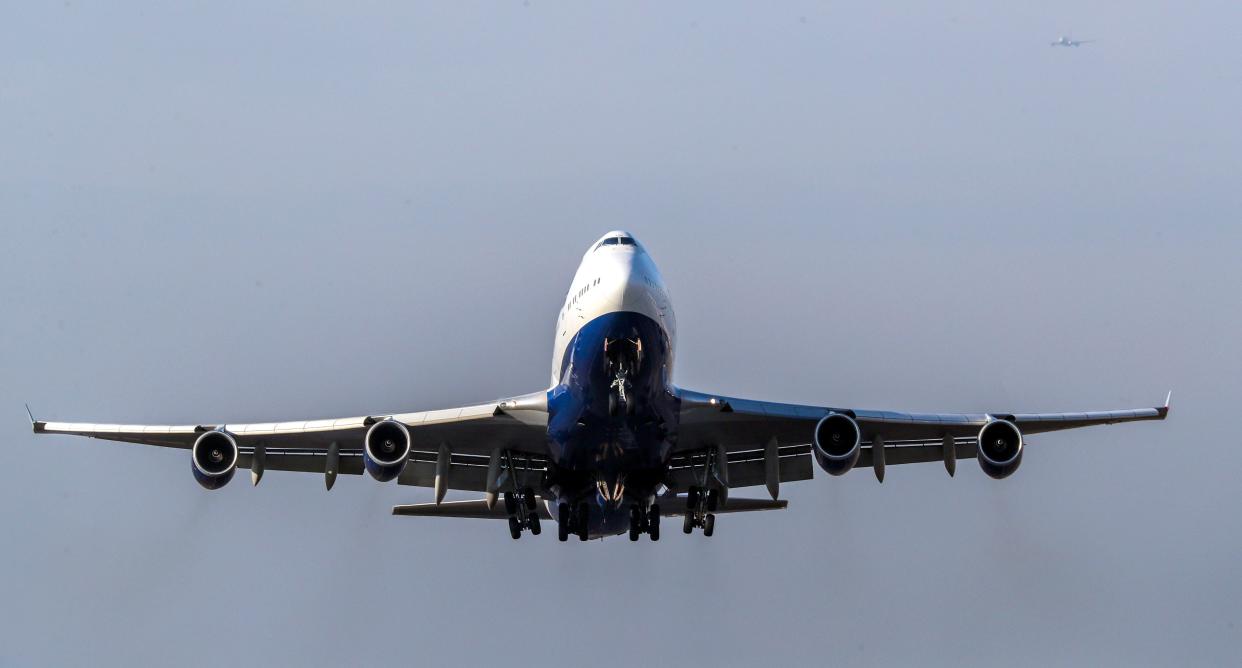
(612,419)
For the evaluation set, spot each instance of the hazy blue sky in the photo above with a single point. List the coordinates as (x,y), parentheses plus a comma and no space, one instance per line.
(213,211)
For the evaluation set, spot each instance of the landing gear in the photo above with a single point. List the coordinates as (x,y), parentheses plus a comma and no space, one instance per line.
(644,522)
(582,521)
(623,358)
(572,521)
(521,508)
(700,508)
(562,522)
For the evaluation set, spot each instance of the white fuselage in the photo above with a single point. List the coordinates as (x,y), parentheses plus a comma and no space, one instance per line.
(616,275)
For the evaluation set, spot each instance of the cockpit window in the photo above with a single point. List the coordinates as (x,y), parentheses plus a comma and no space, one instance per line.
(616,241)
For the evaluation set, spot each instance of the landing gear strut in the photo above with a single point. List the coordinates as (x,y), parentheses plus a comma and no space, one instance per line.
(645,521)
(521,507)
(701,506)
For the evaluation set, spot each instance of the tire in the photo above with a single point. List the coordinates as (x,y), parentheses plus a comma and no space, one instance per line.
(692,497)
(636,523)
(562,522)
(584,521)
(713,500)
(653,522)
(528,495)
(515,529)
(687,527)
(510,504)
(534,525)
(709,527)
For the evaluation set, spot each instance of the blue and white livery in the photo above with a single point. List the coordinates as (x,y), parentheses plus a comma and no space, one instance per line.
(612,446)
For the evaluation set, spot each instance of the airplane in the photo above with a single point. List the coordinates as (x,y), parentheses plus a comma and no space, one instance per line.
(1065,41)
(612,445)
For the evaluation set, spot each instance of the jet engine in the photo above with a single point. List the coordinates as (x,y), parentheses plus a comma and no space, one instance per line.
(837,443)
(386,449)
(1000,448)
(214,458)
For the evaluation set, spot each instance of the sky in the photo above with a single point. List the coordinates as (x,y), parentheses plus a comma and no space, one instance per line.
(225,212)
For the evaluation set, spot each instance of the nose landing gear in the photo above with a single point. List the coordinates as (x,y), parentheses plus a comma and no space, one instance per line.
(623,357)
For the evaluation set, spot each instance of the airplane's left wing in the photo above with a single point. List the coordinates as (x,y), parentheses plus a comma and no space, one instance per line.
(466,437)
(770,442)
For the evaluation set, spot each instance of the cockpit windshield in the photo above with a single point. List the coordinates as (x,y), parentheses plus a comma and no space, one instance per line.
(616,241)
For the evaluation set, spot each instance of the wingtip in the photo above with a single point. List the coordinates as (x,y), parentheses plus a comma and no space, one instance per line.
(35,425)
(1164,410)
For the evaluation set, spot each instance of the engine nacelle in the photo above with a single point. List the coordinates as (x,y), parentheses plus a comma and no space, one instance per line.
(386,449)
(1000,448)
(837,443)
(214,459)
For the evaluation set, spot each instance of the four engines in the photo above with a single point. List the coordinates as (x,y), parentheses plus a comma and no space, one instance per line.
(386,449)
(214,459)
(837,443)
(1000,448)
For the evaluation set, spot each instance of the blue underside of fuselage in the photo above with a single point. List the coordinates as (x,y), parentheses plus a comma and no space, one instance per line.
(587,441)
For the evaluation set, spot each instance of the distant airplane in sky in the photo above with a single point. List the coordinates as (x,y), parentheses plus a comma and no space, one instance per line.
(612,445)
(1065,41)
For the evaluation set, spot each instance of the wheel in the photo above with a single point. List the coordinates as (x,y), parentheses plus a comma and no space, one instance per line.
(584,521)
(534,525)
(515,529)
(653,522)
(688,525)
(636,522)
(528,495)
(713,500)
(562,522)
(510,504)
(692,497)
(710,525)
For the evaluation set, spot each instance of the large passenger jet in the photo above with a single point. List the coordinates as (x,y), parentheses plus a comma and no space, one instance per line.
(612,445)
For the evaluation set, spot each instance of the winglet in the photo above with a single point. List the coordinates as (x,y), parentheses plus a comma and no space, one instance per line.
(1164,410)
(35,425)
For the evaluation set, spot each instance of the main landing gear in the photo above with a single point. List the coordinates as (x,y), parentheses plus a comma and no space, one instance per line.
(644,522)
(575,520)
(701,506)
(521,507)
